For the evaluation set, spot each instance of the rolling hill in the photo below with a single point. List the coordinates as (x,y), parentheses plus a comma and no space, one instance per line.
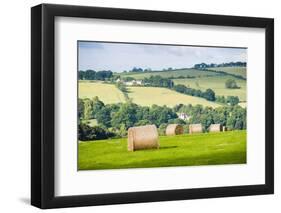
(107,93)
(217,84)
(169,74)
(242,71)
(147,96)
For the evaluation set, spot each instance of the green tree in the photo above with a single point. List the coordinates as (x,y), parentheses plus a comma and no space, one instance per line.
(232,100)
(80,109)
(104,116)
(125,115)
(85,133)
(209,94)
(97,105)
(231,84)
(88,107)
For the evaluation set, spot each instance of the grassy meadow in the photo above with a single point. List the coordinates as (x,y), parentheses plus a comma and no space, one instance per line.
(168,74)
(180,150)
(242,71)
(107,93)
(147,96)
(217,84)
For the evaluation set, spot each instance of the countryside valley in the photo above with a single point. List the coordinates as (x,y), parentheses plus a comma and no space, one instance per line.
(206,94)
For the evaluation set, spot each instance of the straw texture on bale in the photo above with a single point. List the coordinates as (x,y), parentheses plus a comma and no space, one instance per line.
(174,129)
(195,128)
(215,128)
(143,137)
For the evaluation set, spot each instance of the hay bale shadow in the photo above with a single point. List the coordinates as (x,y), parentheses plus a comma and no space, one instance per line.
(168,147)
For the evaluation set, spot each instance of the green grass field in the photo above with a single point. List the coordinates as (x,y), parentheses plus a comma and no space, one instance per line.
(181,150)
(166,74)
(216,83)
(242,71)
(107,93)
(147,96)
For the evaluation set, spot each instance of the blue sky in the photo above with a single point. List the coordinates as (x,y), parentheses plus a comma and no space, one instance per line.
(124,56)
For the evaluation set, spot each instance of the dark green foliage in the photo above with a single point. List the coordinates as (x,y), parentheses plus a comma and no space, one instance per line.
(209,95)
(119,117)
(231,64)
(158,81)
(135,69)
(232,100)
(234,117)
(125,115)
(104,116)
(93,75)
(128,78)
(180,88)
(80,108)
(221,99)
(86,133)
(97,105)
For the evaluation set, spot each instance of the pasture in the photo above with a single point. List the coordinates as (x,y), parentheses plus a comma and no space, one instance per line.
(147,96)
(169,74)
(107,93)
(216,83)
(181,150)
(242,71)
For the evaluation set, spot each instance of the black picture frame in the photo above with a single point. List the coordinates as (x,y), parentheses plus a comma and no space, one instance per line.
(43,102)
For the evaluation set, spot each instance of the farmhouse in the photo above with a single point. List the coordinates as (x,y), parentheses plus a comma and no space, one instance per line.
(118,80)
(184,116)
(215,128)
(174,129)
(195,128)
(143,137)
(133,82)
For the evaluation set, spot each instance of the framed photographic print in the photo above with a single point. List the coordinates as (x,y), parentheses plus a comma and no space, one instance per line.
(136,106)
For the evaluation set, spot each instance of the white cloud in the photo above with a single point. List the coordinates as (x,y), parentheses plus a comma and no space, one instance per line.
(123,56)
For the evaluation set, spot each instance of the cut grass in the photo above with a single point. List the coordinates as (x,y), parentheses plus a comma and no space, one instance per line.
(217,84)
(180,150)
(107,93)
(147,96)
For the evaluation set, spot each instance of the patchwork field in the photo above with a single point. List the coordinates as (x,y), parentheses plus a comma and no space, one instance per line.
(167,74)
(180,150)
(232,70)
(107,93)
(217,84)
(147,96)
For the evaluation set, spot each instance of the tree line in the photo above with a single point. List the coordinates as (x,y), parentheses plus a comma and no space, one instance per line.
(212,65)
(95,75)
(115,119)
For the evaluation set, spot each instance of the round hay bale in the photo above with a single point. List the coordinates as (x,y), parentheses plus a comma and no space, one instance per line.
(195,128)
(215,128)
(143,137)
(174,129)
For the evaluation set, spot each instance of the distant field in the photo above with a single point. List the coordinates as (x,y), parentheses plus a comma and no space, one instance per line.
(147,96)
(181,150)
(233,70)
(216,83)
(107,93)
(166,74)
